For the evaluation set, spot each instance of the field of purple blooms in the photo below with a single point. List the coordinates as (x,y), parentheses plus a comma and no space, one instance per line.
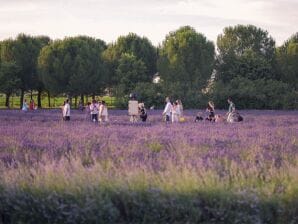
(81,172)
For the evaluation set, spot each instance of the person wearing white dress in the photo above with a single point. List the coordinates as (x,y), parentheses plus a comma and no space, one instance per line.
(175,113)
(103,112)
(66,111)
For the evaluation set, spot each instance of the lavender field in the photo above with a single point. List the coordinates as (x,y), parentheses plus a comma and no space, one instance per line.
(80,172)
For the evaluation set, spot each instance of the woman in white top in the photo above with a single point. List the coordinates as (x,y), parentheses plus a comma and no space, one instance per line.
(180,106)
(175,113)
(168,109)
(66,111)
(25,105)
(103,112)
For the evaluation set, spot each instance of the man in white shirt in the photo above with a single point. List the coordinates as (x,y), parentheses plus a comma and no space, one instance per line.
(66,111)
(167,110)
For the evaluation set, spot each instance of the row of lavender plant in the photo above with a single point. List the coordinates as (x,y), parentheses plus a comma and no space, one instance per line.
(79,172)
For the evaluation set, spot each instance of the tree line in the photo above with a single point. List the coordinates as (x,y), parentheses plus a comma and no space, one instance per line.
(246,65)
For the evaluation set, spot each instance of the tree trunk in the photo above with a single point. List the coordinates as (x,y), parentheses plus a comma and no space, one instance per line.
(76,101)
(93,96)
(70,101)
(82,99)
(39,99)
(7,100)
(49,99)
(31,94)
(21,99)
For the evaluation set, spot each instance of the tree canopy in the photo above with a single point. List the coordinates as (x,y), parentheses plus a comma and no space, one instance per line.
(185,64)
(245,51)
(287,57)
(73,66)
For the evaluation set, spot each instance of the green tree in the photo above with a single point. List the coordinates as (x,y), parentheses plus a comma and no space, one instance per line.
(130,71)
(9,79)
(186,60)
(287,57)
(25,54)
(132,44)
(73,66)
(255,94)
(245,51)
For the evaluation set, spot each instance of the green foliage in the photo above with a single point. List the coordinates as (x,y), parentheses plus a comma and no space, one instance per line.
(255,94)
(147,205)
(130,71)
(245,51)
(185,63)
(9,77)
(132,44)
(150,94)
(287,57)
(73,66)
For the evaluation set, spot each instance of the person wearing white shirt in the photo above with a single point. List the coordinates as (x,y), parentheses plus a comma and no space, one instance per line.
(66,111)
(167,110)
(103,112)
(175,113)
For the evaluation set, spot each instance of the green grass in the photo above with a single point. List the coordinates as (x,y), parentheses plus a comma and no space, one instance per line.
(55,102)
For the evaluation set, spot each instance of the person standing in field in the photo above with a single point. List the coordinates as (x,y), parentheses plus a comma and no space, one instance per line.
(180,110)
(32,105)
(175,113)
(167,110)
(232,110)
(25,105)
(88,112)
(103,112)
(94,109)
(180,106)
(66,111)
(62,109)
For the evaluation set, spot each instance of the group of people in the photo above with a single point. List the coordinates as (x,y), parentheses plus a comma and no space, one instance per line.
(31,106)
(97,111)
(136,110)
(173,112)
(231,116)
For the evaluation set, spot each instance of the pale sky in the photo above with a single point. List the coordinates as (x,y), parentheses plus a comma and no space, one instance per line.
(108,19)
